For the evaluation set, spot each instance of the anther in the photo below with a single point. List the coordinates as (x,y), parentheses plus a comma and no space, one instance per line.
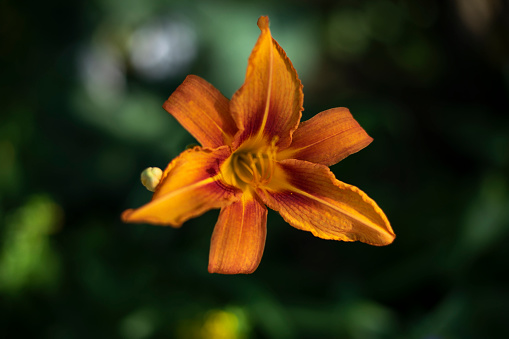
(255,168)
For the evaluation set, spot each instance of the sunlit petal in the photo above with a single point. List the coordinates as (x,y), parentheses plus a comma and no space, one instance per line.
(191,185)
(309,198)
(201,109)
(239,237)
(327,138)
(269,104)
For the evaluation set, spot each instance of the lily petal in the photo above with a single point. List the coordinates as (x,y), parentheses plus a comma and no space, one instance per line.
(309,198)
(327,138)
(201,109)
(238,239)
(269,104)
(190,186)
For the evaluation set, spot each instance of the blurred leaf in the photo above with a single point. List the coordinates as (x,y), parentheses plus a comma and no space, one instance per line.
(27,259)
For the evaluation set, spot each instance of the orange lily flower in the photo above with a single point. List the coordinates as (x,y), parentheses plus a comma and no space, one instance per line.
(254,153)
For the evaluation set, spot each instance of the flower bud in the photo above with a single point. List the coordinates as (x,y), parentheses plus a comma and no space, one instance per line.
(151,177)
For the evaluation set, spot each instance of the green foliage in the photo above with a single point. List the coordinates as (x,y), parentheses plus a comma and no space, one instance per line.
(27,259)
(82,88)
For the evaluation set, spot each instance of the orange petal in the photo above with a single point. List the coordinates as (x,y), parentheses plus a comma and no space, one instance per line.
(203,111)
(239,237)
(269,103)
(309,198)
(190,186)
(327,138)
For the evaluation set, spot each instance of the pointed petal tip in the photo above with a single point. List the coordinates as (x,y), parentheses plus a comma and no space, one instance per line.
(310,198)
(220,270)
(126,214)
(389,239)
(263,22)
(269,103)
(130,216)
(384,239)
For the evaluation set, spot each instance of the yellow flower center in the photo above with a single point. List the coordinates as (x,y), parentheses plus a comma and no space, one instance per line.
(252,165)
(252,168)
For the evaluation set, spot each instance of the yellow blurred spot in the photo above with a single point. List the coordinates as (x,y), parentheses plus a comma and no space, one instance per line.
(220,325)
(216,324)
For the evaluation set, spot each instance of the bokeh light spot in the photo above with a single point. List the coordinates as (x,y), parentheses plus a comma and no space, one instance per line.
(102,73)
(163,48)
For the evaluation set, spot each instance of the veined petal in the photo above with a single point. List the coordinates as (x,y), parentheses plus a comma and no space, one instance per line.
(239,237)
(190,186)
(327,138)
(203,111)
(309,198)
(269,103)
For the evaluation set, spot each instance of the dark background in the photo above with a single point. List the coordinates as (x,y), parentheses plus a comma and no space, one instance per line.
(82,84)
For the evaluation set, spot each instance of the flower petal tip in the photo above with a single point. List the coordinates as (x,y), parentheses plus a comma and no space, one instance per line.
(126,214)
(263,22)
(389,239)
(237,270)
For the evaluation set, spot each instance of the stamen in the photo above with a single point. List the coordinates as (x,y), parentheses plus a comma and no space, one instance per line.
(254,166)
(242,169)
(269,170)
(252,163)
(261,161)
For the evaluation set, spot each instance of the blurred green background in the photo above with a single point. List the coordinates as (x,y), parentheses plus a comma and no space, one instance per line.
(82,84)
